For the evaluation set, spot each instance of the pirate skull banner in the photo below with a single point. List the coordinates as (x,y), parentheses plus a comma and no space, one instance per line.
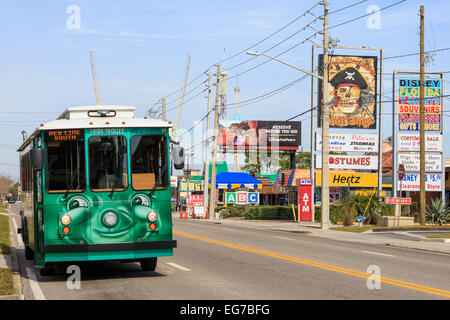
(352,91)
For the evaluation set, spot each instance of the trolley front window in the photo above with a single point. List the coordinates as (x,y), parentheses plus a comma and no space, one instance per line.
(108,163)
(65,161)
(149,162)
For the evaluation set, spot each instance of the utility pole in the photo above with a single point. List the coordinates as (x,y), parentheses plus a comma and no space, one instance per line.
(422,120)
(212,200)
(325,125)
(206,170)
(164,109)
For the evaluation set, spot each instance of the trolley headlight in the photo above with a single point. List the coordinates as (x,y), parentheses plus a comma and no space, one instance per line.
(66,219)
(110,219)
(152,216)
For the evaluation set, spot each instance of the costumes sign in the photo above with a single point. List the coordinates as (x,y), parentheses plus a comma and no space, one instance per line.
(409,105)
(358,162)
(353,86)
(349,142)
(411,142)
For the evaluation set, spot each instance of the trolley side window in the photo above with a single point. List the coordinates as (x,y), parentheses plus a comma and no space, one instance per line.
(108,169)
(66,168)
(149,162)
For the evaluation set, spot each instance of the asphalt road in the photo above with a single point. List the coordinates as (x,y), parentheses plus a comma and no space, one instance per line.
(214,261)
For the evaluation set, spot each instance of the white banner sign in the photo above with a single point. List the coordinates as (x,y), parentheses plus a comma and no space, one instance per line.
(411,142)
(411,161)
(359,162)
(361,142)
(411,182)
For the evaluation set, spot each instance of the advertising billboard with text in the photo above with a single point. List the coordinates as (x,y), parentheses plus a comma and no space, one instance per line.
(259,134)
(352,91)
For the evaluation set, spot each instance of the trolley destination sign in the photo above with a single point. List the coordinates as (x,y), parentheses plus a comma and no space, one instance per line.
(65,135)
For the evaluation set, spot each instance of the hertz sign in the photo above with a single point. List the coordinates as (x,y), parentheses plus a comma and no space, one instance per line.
(352,179)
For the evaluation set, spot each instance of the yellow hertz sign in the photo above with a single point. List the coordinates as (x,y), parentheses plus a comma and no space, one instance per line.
(354,179)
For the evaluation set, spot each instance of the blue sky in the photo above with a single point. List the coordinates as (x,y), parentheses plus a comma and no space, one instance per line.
(140,50)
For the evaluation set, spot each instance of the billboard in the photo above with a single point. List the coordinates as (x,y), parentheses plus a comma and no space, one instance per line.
(257,134)
(349,142)
(352,91)
(357,162)
(409,105)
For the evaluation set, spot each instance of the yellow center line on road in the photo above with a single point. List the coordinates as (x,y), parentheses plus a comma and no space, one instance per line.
(399,283)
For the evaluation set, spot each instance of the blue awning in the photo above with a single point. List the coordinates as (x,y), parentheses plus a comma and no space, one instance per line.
(233,180)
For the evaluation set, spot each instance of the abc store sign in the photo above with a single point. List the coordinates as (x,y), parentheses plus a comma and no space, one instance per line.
(242,197)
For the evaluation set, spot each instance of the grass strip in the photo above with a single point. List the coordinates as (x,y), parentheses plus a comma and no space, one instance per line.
(6,282)
(357,229)
(4,235)
(443,235)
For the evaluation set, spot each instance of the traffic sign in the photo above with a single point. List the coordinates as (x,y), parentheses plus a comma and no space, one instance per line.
(401,171)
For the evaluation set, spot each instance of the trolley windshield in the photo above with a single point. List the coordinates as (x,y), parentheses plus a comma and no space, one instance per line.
(108,163)
(65,161)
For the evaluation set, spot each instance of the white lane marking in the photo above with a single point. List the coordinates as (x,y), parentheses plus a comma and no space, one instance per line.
(284,238)
(19,238)
(228,229)
(37,292)
(380,254)
(178,266)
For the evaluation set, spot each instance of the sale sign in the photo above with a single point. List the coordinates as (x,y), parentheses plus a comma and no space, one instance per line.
(411,142)
(411,182)
(194,200)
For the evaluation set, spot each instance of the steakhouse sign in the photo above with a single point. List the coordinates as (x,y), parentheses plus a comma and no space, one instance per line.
(349,142)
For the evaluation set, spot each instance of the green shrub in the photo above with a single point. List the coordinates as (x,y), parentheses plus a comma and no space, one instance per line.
(438,212)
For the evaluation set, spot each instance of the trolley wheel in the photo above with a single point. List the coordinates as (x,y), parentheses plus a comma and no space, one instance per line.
(149,264)
(46,271)
(29,254)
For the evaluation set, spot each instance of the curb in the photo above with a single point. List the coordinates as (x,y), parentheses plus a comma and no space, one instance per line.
(420,246)
(411,229)
(17,279)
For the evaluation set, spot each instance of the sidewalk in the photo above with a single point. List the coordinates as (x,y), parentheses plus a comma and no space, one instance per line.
(401,239)
(9,261)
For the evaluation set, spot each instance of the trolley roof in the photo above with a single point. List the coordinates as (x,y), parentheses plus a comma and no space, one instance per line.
(104,116)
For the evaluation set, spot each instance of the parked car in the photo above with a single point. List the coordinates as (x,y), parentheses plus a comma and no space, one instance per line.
(11,201)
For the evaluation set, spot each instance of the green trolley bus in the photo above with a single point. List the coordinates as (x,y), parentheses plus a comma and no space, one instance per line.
(95,186)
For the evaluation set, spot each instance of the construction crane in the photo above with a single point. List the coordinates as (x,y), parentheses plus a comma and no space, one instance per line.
(181,101)
(98,100)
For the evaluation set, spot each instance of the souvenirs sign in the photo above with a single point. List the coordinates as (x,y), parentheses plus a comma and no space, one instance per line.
(409,105)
